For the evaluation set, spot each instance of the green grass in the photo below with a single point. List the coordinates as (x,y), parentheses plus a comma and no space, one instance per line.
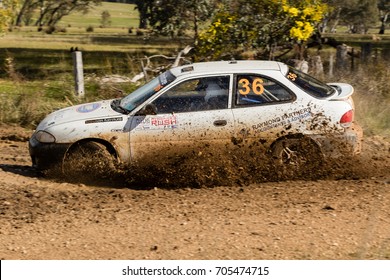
(26,103)
(113,38)
(47,63)
(105,50)
(122,16)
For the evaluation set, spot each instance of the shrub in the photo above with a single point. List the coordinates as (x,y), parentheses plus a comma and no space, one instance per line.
(10,69)
(26,103)
(24,109)
(50,29)
(90,29)
(106,19)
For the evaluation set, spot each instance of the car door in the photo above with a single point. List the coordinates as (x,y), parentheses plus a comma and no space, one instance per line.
(264,109)
(185,118)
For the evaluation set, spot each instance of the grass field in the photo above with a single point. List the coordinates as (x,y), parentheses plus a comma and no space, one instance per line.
(73,32)
(111,50)
(122,16)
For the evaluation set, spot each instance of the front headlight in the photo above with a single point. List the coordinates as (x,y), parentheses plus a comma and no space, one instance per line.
(44,137)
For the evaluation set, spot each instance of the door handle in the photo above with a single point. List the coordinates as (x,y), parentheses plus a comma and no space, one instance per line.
(220,122)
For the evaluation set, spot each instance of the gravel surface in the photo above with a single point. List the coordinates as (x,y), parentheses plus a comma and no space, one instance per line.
(344,215)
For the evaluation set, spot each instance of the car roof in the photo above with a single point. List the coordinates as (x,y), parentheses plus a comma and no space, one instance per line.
(217,67)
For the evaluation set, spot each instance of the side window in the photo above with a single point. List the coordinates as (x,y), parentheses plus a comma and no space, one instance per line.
(209,93)
(255,90)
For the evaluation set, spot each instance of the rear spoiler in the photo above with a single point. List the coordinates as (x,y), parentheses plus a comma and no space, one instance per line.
(343,91)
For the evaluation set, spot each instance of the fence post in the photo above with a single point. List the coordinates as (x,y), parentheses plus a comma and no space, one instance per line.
(366,50)
(341,57)
(78,72)
(352,59)
(331,62)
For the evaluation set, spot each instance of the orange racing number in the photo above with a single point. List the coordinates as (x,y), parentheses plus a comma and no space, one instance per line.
(256,86)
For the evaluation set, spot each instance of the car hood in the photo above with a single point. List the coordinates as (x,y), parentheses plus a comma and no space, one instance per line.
(87,112)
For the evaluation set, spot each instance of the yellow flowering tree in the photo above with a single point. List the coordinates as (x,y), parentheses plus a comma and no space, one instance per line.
(305,16)
(259,27)
(213,39)
(7,13)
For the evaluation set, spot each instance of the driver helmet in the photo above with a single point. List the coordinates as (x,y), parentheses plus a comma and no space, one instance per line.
(213,90)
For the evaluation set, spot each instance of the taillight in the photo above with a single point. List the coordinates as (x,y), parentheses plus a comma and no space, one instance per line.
(346,119)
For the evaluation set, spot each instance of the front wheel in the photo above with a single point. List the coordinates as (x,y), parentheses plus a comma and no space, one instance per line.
(298,158)
(88,162)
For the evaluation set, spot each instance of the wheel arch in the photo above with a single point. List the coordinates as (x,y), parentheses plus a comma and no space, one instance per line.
(110,148)
(294,136)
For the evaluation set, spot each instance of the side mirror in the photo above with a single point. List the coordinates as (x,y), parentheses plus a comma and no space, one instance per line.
(149,109)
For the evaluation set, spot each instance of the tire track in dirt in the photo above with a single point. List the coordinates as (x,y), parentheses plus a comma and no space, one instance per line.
(344,217)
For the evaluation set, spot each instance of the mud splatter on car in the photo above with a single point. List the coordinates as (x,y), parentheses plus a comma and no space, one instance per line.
(276,116)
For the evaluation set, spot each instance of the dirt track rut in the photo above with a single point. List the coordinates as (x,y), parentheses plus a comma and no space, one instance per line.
(343,217)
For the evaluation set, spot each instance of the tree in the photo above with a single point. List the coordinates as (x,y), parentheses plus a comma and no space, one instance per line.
(259,27)
(333,15)
(7,13)
(143,7)
(384,8)
(106,18)
(25,12)
(359,15)
(175,17)
(52,11)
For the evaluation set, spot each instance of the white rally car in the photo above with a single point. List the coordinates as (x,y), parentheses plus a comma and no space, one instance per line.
(213,104)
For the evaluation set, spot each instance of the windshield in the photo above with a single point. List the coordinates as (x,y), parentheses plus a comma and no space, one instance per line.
(309,84)
(140,95)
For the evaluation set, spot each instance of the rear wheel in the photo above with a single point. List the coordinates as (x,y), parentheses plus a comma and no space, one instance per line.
(86,162)
(298,158)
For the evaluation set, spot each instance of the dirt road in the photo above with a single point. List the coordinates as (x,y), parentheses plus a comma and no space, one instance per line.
(343,216)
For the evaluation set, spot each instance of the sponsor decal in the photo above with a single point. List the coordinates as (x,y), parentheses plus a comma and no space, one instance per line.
(283,120)
(104,120)
(88,108)
(170,121)
(296,115)
(158,123)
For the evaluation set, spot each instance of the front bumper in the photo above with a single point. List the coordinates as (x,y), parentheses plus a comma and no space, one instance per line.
(347,143)
(45,156)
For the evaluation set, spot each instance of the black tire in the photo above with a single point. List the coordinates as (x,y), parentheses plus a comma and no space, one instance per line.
(88,162)
(298,158)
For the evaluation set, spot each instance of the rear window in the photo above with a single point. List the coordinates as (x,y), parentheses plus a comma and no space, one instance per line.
(309,84)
